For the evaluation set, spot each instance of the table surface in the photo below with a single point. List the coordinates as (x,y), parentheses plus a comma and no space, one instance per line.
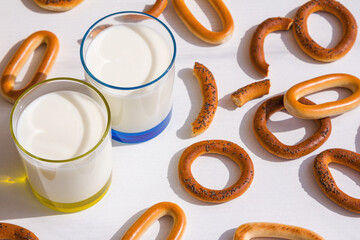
(283,191)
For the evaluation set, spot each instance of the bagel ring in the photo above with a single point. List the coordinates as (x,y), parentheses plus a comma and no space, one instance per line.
(208,87)
(199,30)
(154,213)
(225,148)
(19,59)
(257,55)
(11,231)
(297,109)
(268,140)
(309,46)
(326,181)
(274,230)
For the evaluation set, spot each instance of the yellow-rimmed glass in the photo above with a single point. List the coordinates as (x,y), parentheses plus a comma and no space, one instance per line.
(73,184)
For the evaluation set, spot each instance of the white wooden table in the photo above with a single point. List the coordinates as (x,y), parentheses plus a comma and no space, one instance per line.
(144,174)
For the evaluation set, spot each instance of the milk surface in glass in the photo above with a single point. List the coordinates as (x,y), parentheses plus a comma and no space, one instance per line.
(58,126)
(130,55)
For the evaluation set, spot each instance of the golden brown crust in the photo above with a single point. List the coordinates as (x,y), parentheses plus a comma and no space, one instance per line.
(199,30)
(157,8)
(210,99)
(225,148)
(19,59)
(155,11)
(326,181)
(14,232)
(57,5)
(257,55)
(328,109)
(154,213)
(274,230)
(268,141)
(309,46)
(251,91)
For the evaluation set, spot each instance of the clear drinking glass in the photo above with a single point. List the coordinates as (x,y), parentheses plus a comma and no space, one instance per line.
(141,109)
(76,183)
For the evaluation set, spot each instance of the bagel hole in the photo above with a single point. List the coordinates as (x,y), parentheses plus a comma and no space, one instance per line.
(160,229)
(29,69)
(346,178)
(215,171)
(291,130)
(205,14)
(325,29)
(329,95)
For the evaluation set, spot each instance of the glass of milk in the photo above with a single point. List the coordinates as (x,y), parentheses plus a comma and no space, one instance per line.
(129,57)
(61,129)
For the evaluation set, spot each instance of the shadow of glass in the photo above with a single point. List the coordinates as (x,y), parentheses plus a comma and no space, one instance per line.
(310,186)
(17,199)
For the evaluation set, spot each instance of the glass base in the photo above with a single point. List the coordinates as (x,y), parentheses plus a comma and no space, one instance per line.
(141,136)
(77,206)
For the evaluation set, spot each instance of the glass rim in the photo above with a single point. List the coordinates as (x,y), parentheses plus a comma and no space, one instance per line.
(102,139)
(135,87)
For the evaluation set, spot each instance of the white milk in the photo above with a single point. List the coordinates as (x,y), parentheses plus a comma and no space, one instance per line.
(63,125)
(131,55)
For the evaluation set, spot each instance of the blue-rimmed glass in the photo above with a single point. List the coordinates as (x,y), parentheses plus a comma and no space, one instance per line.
(139,113)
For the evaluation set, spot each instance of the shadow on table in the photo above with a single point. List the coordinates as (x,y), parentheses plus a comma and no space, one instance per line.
(16,198)
(181,30)
(228,235)
(311,187)
(165,226)
(226,102)
(243,54)
(357,141)
(194,92)
(248,137)
(290,42)
(173,177)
